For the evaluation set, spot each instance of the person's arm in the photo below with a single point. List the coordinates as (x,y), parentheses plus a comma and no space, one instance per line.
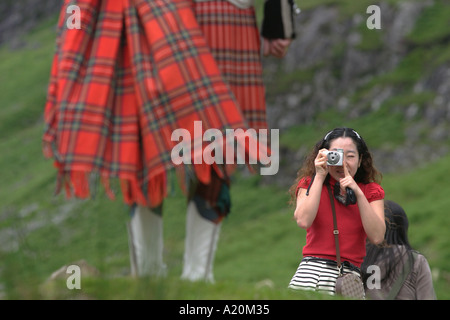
(372,217)
(307,205)
(372,214)
(277,27)
(278,20)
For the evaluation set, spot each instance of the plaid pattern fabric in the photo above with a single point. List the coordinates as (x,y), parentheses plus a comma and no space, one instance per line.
(233,36)
(120,85)
(234,40)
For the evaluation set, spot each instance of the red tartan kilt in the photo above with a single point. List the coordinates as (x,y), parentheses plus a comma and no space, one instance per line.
(233,36)
(120,85)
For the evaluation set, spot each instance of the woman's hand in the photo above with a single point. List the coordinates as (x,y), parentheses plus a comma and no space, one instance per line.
(348,181)
(321,163)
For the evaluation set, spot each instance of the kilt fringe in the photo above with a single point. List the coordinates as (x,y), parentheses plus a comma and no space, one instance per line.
(83,184)
(149,192)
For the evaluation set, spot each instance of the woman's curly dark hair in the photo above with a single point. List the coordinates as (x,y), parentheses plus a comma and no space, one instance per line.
(366,173)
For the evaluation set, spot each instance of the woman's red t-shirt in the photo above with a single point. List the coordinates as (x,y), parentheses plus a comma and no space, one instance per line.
(352,237)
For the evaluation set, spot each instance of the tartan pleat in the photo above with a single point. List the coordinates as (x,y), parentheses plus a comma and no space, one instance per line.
(233,37)
(119,86)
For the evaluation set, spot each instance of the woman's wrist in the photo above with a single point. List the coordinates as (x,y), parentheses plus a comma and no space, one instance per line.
(320,177)
(359,193)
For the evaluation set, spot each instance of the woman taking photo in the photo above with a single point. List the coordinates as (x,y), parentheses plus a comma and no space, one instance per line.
(359,205)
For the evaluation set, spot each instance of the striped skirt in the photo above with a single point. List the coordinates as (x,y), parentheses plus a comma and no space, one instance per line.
(318,274)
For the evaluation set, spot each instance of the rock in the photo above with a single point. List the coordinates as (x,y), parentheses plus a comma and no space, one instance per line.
(19,17)
(85,270)
(59,286)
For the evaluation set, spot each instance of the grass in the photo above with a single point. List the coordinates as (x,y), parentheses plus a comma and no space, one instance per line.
(260,244)
(40,232)
(382,128)
(433,25)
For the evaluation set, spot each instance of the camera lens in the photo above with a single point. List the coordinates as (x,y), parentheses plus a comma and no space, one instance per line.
(333,157)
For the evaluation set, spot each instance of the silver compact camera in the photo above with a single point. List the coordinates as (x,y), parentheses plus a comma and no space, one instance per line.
(335,158)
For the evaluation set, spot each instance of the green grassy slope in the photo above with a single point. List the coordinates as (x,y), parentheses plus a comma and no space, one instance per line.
(260,244)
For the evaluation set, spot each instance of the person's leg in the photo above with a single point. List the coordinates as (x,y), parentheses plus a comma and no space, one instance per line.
(145,232)
(202,236)
(239,60)
(206,209)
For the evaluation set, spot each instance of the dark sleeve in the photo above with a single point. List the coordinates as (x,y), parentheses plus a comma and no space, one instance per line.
(278,20)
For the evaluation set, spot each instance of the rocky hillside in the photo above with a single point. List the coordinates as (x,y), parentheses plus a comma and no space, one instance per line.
(19,17)
(391,84)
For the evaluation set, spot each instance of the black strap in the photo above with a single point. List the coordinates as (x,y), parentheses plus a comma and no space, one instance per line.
(310,183)
(335,229)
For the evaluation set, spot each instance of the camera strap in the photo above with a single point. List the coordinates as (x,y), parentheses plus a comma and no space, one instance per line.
(310,183)
(335,230)
(349,198)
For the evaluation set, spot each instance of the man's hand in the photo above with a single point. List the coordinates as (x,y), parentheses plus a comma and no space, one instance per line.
(276,47)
